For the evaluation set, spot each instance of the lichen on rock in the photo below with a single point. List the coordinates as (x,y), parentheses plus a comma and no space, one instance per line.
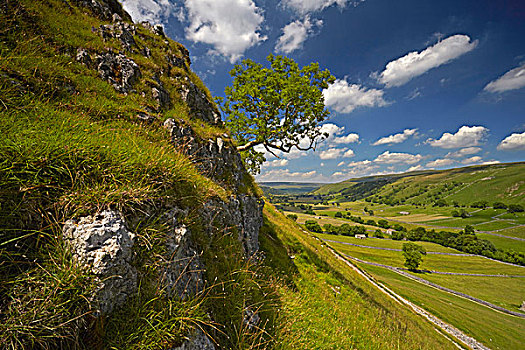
(103,242)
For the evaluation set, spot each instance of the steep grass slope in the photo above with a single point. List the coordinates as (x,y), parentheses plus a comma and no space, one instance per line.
(82,132)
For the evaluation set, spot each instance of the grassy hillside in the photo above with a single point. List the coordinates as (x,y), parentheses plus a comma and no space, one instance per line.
(326,305)
(72,144)
(497,182)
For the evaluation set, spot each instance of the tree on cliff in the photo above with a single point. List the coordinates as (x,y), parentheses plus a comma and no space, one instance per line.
(276,108)
(413,254)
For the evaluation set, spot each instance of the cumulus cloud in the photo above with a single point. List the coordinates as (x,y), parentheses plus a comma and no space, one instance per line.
(154,11)
(277,163)
(514,142)
(306,6)
(287,175)
(340,164)
(295,33)
(392,158)
(350,138)
(336,136)
(440,163)
(463,152)
(396,138)
(344,97)
(472,160)
(415,168)
(512,80)
(466,136)
(230,26)
(349,154)
(361,168)
(413,64)
(335,153)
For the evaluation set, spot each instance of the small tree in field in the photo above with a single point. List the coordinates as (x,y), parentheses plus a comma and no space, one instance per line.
(413,254)
(277,108)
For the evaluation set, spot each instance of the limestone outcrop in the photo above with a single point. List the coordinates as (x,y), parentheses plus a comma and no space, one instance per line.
(103,242)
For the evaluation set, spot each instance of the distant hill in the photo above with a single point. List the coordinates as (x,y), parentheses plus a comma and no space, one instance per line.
(288,188)
(495,182)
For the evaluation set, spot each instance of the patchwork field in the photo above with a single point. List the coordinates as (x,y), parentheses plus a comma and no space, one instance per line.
(495,329)
(467,291)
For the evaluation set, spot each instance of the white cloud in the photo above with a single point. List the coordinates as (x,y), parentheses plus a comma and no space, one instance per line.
(349,154)
(414,94)
(338,174)
(335,134)
(440,162)
(415,168)
(361,168)
(472,160)
(334,153)
(514,142)
(154,11)
(512,80)
(413,64)
(350,138)
(287,175)
(295,33)
(340,164)
(396,138)
(277,163)
(344,97)
(390,158)
(360,163)
(230,26)
(463,152)
(466,136)
(305,6)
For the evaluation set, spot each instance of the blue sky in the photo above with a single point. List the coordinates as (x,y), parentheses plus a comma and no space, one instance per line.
(420,84)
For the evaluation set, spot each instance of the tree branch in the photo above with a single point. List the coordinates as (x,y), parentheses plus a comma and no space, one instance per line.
(248,145)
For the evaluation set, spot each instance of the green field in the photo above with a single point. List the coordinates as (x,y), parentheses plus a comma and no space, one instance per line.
(443,263)
(513,232)
(386,243)
(504,243)
(494,329)
(484,288)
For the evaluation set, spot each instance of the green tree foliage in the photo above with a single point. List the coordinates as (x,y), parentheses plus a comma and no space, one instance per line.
(292,217)
(278,108)
(398,235)
(469,230)
(383,223)
(515,208)
(312,225)
(479,204)
(440,203)
(413,254)
(499,205)
(398,227)
(378,233)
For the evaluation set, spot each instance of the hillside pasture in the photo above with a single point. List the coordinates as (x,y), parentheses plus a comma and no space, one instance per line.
(495,329)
